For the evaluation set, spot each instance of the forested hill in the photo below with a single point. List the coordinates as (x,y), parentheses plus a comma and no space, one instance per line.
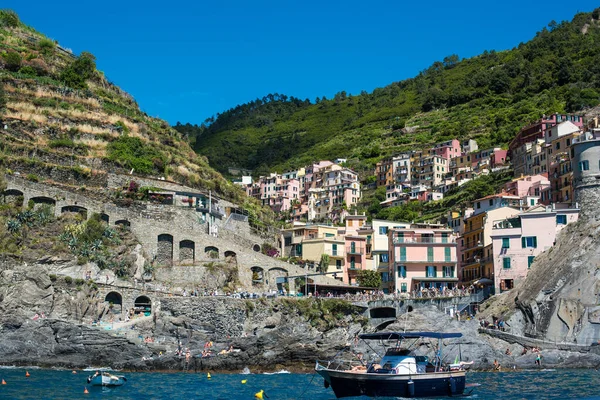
(487,97)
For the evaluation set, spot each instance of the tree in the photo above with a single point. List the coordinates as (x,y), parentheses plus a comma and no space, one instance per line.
(79,71)
(324,263)
(368,278)
(450,61)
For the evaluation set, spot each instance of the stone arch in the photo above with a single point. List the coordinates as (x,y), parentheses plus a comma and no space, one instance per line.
(409,309)
(123,223)
(75,209)
(104,217)
(164,250)
(382,312)
(211,252)
(13,196)
(258,275)
(40,201)
(187,251)
(142,304)
(230,254)
(256,247)
(114,301)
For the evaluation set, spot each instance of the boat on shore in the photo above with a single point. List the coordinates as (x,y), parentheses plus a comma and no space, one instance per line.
(399,373)
(105,378)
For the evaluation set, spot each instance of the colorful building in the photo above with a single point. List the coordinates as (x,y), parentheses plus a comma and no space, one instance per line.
(421,256)
(517,240)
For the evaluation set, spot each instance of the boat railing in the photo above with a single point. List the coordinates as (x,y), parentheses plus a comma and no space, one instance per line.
(342,365)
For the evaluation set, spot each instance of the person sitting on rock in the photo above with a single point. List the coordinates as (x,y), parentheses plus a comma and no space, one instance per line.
(508,352)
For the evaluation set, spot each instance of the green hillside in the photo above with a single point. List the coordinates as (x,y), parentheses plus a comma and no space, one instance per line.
(487,97)
(62,114)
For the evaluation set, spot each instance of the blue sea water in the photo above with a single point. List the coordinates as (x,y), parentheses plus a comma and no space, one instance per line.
(52,384)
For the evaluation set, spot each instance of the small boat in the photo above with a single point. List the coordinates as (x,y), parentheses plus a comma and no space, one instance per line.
(399,373)
(106,379)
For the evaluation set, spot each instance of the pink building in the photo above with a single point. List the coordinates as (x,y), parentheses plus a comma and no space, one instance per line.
(516,241)
(498,158)
(275,191)
(448,149)
(422,256)
(527,186)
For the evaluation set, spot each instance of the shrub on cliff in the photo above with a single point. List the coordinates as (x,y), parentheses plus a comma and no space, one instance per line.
(80,70)
(9,18)
(13,61)
(132,152)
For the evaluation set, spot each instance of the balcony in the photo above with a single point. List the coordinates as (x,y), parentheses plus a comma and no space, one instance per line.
(355,250)
(426,261)
(425,240)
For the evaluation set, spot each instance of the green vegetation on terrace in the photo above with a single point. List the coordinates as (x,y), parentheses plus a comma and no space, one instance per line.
(488,97)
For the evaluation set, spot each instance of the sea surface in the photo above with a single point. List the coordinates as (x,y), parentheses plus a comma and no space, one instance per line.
(53,384)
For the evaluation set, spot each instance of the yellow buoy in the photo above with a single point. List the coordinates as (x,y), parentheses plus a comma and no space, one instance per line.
(74,372)
(27,374)
(244,380)
(260,395)
(208,375)
(85,391)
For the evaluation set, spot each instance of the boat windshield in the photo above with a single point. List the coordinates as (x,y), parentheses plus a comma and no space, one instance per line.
(396,351)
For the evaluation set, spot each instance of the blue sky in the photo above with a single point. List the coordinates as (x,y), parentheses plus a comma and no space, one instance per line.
(185,61)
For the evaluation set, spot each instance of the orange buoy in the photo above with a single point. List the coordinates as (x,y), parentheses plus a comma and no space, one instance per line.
(85,391)
(27,374)
(3,382)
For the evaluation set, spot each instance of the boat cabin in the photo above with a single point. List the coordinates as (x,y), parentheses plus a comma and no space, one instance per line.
(401,361)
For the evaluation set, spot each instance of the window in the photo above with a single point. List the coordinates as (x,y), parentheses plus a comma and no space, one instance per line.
(529,242)
(334,249)
(444,237)
(338,264)
(506,262)
(478,204)
(447,254)
(299,250)
(403,287)
(383,258)
(352,263)
(401,271)
(403,254)
(557,145)
(530,261)
(532,202)
(384,277)
(584,165)
(491,202)
(383,230)
(505,243)
(431,271)
(561,220)
(400,237)
(329,235)
(353,247)
(448,272)
(430,254)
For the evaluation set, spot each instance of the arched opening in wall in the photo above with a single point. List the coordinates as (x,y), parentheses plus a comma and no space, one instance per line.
(142,305)
(278,278)
(187,252)
(114,301)
(409,309)
(123,223)
(75,209)
(164,249)
(230,256)
(13,196)
(104,217)
(43,202)
(258,276)
(383,312)
(211,252)
(256,248)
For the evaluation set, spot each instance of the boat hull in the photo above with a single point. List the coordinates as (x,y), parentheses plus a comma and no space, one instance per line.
(103,380)
(346,384)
